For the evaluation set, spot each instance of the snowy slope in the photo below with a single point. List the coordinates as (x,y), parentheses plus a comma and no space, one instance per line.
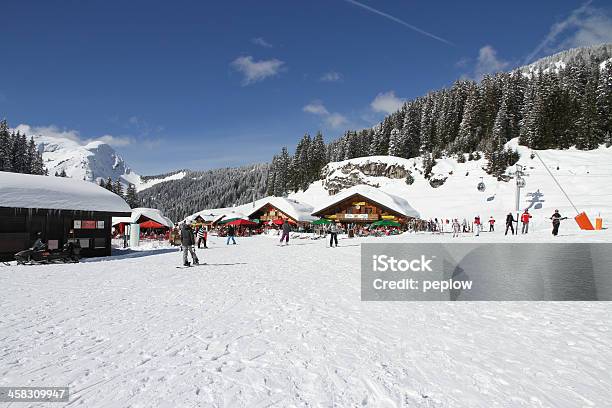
(142,184)
(585,175)
(262,326)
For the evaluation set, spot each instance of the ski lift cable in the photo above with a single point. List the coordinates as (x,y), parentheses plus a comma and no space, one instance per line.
(557,182)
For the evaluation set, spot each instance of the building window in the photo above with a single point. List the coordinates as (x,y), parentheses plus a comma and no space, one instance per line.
(99,243)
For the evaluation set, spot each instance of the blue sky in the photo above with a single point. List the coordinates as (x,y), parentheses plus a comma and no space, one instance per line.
(203,84)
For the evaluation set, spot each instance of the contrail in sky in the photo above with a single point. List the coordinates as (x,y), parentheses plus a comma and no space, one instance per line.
(399,21)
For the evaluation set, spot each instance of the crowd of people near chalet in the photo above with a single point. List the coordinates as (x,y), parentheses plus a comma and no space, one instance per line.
(189,235)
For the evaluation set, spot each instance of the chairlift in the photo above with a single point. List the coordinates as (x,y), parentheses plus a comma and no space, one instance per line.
(520,182)
(481,186)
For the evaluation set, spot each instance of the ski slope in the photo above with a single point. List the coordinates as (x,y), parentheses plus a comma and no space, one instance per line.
(262,325)
(585,175)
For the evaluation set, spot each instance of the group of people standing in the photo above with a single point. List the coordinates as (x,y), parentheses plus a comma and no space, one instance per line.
(525,220)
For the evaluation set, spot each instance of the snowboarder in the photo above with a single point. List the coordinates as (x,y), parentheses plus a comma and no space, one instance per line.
(491,224)
(510,223)
(202,235)
(556,221)
(333,235)
(477,226)
(187,242)
(231,234)
(286,228)
(456,228)
(525,220)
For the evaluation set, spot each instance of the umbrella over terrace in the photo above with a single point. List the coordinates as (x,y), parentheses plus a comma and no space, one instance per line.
(321,222)
(386,223)
(279,221)
(151,224)
(241,222)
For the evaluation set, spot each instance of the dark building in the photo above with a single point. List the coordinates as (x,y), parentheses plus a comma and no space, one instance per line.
(62,209)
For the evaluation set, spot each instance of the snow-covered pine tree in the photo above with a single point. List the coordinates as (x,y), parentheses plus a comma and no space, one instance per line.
(411,130)
(281,181)
(109,184)
(118,188)
(426,135)
(396,145)
(604,100)
(590,134)
(131,196)
(470,129)
(316,157)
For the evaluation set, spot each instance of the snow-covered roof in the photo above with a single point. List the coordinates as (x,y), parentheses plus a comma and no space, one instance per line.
(297,210)
(57,193)
(121,220)
(374,194)
(152,214)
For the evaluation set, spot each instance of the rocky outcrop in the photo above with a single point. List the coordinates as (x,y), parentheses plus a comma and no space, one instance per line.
(339,176)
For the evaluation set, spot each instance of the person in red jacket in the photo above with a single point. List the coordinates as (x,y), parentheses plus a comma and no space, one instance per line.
(491,224)
(525,220)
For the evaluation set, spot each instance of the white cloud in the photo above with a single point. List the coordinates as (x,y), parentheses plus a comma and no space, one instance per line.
(488,62)
(261,42)
(255,71)
(73,135)
(334,120)
(316,108)
(585,26)
(115,141)
(386,102)
(331,76)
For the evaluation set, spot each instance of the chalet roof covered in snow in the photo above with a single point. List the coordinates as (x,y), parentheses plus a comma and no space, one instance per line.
(297,210)
(57,193)
(376,195)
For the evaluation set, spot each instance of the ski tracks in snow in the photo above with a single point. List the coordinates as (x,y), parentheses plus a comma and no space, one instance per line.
(260,326)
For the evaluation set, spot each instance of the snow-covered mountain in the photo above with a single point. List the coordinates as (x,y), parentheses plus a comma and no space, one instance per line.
(89,160)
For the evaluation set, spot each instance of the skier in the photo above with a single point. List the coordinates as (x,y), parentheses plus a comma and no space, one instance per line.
(491,224)
(556,221)
(286,228)
(456,228)
(510,223)
(231,234)
(477,226)
(525,220)
(333,235)
(187,242)
(202,235)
